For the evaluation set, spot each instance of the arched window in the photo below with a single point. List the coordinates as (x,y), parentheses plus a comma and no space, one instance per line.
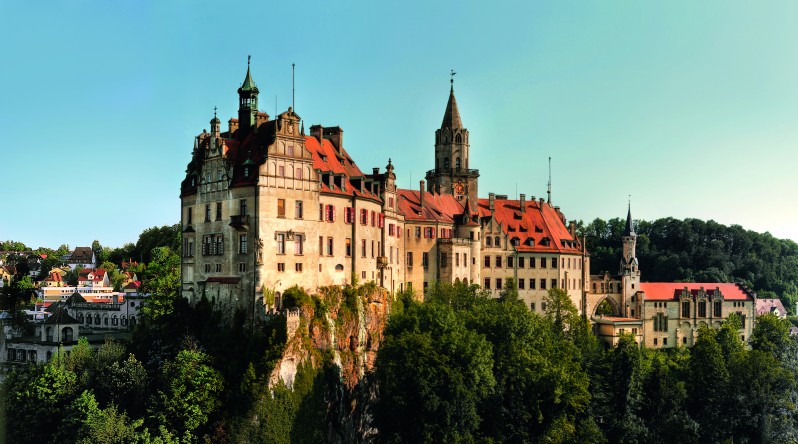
(88,319)
(49,334)
(497,241)
(114,320)
(446,164)
(278,300)
(66,334)
(124,320)
(80,317)
(105,320)
(457,162)
(488,242)
(97,318)
(458,139)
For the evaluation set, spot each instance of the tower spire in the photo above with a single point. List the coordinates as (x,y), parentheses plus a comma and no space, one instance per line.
(451,118)
(630,229)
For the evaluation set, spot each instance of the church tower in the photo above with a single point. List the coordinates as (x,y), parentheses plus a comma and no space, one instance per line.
(630,271)
(452,174)
(247,104)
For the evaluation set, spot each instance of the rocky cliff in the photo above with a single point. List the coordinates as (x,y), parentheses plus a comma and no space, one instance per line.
(341,327)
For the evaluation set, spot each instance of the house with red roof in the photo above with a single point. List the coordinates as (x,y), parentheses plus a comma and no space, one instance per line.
(94,277)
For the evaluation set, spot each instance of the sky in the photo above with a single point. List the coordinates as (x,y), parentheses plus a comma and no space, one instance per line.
(689,107)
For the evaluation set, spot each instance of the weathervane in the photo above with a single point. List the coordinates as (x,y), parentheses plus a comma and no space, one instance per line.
(452,79)
(214,112)
(248,59)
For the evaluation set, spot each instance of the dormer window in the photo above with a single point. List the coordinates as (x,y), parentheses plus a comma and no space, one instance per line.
(246,172)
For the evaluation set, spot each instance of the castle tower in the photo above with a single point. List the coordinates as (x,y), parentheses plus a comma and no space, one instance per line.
(630,271)
(247,104)
(452,174)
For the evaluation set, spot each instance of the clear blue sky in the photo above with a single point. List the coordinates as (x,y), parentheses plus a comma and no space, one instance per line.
(690,107)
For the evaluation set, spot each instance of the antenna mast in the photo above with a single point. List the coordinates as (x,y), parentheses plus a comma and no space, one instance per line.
(293,90)
(549,191)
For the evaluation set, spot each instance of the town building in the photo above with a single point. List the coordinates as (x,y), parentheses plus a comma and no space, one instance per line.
(266,206)
(661,314)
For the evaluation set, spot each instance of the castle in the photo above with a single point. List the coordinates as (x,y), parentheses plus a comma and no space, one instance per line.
(266,206)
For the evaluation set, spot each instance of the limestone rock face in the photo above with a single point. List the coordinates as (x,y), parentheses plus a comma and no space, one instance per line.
(345,326)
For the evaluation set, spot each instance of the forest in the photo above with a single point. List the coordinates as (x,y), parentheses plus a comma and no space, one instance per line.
(458,367)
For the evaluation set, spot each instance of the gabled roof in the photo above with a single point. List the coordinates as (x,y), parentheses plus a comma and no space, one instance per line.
(769,306)
(443,208)
(328,159)
(60,316)
(83,254)
(672,291)
(537,222)
(75,297)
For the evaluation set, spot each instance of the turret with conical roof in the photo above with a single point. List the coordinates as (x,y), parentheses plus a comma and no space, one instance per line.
(452,174)
(247,103)
(629,239)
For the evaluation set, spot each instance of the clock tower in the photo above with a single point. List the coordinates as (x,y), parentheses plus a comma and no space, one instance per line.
(452,174)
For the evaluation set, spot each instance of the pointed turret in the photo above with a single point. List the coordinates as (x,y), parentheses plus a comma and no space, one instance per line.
(630,229)
(247,103)
(451,118)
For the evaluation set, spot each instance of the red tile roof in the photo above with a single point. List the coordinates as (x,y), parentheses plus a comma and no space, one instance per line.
(99,273)
(538,222)
(442,208)
(769,306)
(327,159)
(671,291)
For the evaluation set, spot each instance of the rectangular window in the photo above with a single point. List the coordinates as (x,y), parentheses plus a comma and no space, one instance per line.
(280,266)
(702,309)
(498,283)
(457,259)
(543,284)
(281,208)
(532,306)
(542,262)
(372,248)
(242,244)
(409,258)
(521,262)
(188,216)
(280,243)
(298,210)
(242,267)
(298,267)
(498,262)
(348,247)
(299,247)
(207,212)
(425,259)
(532,284)
(381,220)
(363,248)
(242,207)
(521,283)
(717,311)
(391,228)
(664,341)
(207,268)
(321,212)
(509,262)
(373,219)
(364,217)
(218,211)
(390,202)
(554,283)
(685,309)
(329,213)
(487,261)
(218,268)
(487,283)
(330,246)
(281,171)
(554,262)
(418,231)
(390,256)
(532,262)
(321,245)
(444,260)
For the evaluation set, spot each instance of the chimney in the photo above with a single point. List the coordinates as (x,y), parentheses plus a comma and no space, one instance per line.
(572,229)
(232,126)
(491,202)
(317,131)
(335,135)
(421,193)
(523,203)
(375,171)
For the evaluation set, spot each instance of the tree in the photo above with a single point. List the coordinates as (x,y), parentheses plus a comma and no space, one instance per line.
(162,279)
(560,310)
(708,387)
(510,291)
(432,374)
(771,334)
(189,392)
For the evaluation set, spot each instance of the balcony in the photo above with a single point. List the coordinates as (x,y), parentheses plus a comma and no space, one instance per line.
(239,222)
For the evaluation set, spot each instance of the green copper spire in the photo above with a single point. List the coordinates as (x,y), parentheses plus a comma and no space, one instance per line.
(249,84)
